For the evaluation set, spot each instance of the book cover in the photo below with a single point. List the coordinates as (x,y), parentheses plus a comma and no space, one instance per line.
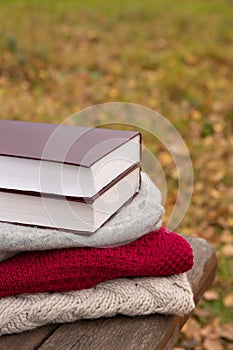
(74,145)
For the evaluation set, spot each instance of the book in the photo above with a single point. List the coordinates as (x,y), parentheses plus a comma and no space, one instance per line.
(66,177)
(62,159)
(69,213)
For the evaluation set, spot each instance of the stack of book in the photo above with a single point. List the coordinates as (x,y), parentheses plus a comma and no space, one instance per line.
(66,177)
(75,238)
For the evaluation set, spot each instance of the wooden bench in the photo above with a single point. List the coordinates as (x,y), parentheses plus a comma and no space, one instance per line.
(131,333)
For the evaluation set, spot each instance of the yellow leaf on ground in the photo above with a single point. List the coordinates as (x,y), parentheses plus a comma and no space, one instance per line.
(218,127)
(226,237)
(230,222)
(211,295)
(165,158)
(191,59)
(228,301)
(227,250)
(215,194)
(196,115)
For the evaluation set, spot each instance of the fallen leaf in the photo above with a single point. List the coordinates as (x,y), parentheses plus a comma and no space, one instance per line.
(222,221)
(218,127)
(230,222)
(194,114)
(218,106)
(215,194)
(212,344)
(192,330)
(165,158)
(226,331)
(211,330)
(201,313)
(227,250)
(190,59)
(228,300)
(211,295)
(226,237)
(199,186)
(218,176)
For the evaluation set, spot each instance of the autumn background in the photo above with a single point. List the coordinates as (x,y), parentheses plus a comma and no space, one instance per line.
(58,57)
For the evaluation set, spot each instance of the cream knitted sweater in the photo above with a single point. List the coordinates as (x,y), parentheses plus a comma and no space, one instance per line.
(136,296)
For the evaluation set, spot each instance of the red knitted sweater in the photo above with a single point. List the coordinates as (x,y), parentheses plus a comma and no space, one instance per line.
(159,253)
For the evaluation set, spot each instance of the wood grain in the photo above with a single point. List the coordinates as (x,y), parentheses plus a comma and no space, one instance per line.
(28,340)
(157,332)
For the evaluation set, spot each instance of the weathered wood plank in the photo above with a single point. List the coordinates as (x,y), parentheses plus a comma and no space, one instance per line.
(28,340)
(131,333)
(123,333)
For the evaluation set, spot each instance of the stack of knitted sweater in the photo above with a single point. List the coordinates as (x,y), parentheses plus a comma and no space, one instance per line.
(132,265)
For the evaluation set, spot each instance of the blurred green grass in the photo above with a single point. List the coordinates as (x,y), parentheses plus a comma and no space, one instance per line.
(58,57)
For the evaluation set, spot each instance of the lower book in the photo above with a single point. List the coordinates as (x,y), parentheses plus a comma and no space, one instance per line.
(80,215)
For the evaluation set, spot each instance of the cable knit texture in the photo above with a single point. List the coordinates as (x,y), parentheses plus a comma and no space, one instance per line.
(159,253)
(136,296)
(142,215)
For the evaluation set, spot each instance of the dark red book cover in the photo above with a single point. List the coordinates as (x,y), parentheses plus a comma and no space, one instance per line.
(73,145)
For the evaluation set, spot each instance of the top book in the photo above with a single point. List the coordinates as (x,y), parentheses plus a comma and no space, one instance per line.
(62,159)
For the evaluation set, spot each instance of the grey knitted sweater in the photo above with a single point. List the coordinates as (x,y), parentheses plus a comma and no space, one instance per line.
(140,216)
